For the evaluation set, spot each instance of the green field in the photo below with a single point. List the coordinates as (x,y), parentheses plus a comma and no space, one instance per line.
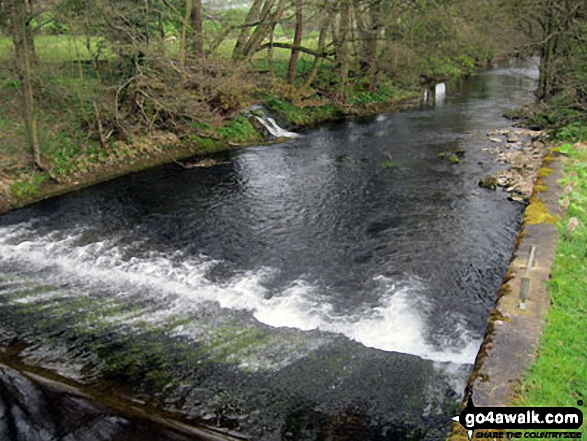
(54,48)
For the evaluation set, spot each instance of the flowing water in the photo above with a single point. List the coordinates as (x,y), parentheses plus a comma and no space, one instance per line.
(336,286)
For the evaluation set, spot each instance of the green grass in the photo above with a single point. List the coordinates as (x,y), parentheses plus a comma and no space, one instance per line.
(302,116)
(558,377)
(238,129)
(53,48)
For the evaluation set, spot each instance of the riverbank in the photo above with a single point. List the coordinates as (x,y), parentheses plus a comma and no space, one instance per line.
(91,166)
(533,353)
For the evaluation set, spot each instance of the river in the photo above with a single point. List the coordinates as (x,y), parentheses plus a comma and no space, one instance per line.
(332,287)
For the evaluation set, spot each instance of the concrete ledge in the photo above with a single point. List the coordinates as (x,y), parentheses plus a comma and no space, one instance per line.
(513,334)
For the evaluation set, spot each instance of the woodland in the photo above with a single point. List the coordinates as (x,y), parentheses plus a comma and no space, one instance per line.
(94,85)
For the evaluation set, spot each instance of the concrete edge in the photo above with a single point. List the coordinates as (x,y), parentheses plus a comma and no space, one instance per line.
(513,333)
(54,384)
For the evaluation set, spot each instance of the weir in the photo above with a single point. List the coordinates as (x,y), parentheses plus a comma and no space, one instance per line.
(295,291)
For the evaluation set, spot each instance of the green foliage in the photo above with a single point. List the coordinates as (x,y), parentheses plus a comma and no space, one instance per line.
(574,131)
(384,94)
(238,129)
(445,67)
(566,149)
(23,189)
(29,186)
(466,62)
(61,150)
(302,116)
(564,122)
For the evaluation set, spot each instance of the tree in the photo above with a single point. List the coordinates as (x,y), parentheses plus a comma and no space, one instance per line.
(22,38)
(264,22)
(196,20)
(293,59)
(559,33)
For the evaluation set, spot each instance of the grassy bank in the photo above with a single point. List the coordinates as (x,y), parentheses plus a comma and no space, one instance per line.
(71,90)
(559,375)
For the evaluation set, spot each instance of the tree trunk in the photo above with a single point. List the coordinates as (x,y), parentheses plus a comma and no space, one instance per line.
(321,44)
(196,18)
(293,59)
(268,22)
(184,30)
(252,16)
(368,28)
(546,57)
(24,49)
(342,55)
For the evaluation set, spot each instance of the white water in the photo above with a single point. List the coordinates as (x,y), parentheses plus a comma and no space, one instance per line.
(270,124)
(179,285)
(440,92)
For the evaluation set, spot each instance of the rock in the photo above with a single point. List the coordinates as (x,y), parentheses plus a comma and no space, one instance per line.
(564,205)
(533,134)
(489,182)
(516,198)
(572,225)
(493,139)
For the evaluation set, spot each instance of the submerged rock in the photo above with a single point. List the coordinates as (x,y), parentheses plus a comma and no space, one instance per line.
(489,182)
(454,159)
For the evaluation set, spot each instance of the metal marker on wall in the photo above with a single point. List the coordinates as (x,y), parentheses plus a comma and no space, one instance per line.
(525,282)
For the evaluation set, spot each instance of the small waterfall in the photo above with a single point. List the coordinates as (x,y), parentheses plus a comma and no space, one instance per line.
(270,124)
(440,92)
(435,94)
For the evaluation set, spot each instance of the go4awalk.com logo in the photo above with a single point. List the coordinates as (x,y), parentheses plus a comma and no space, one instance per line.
(513,419)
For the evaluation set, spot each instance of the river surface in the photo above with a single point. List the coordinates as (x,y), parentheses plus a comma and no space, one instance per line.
(302,291)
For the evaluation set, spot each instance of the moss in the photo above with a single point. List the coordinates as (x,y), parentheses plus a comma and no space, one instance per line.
(544,172)
(454,159)
(389,164)
(537,213)
(540,186)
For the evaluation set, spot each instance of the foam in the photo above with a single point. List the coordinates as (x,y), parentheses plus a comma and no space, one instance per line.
(178,284)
